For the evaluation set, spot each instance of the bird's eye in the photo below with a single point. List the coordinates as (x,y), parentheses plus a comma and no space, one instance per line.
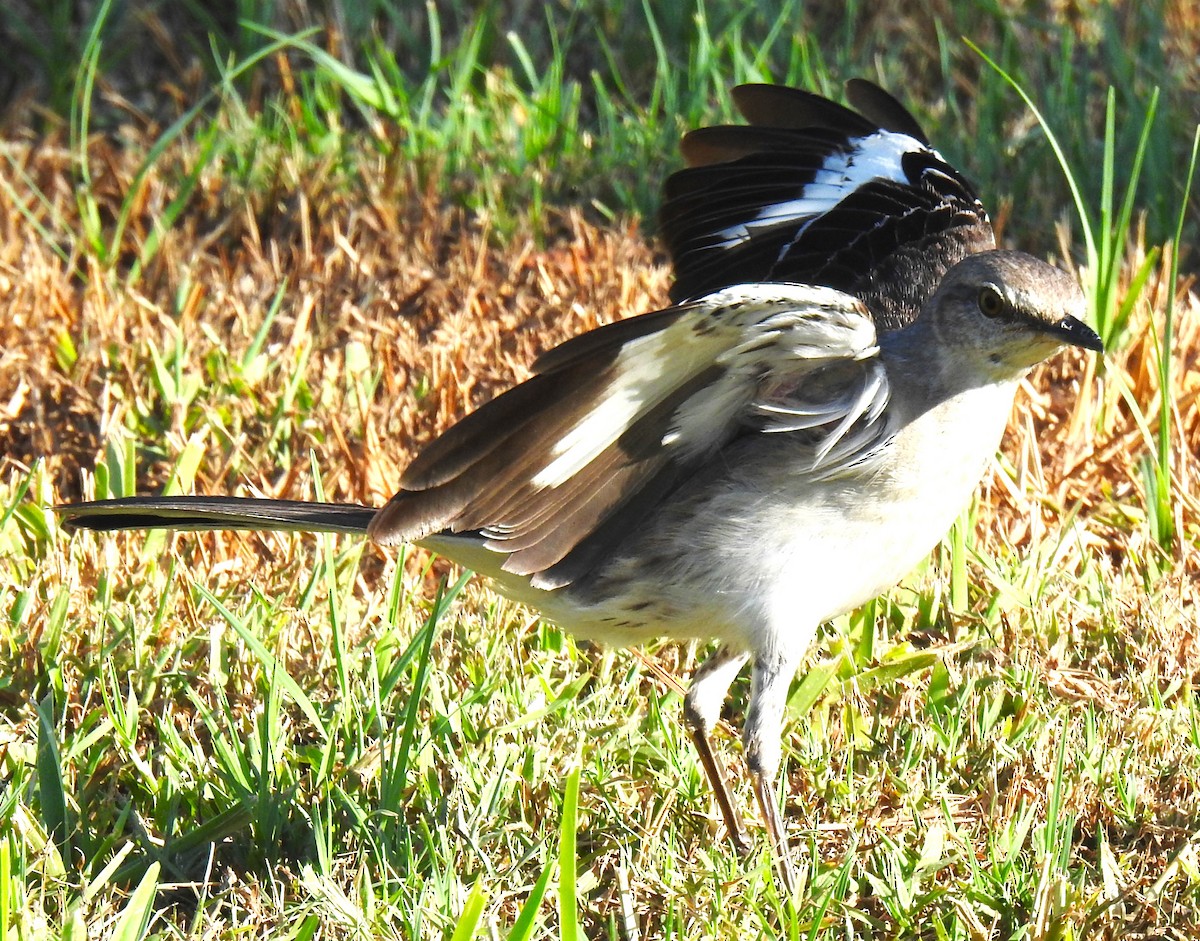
(991,302)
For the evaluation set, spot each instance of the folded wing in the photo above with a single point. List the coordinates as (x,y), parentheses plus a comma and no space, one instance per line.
(555,471)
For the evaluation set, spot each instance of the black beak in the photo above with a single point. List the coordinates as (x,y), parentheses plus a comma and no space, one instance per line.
(1077,333)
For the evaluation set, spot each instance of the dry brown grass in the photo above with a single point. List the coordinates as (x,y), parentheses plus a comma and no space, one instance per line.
(421,287)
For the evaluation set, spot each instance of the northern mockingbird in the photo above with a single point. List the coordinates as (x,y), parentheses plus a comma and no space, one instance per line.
(784,443)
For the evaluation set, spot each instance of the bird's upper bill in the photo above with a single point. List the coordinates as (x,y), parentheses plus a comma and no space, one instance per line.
(1075,332)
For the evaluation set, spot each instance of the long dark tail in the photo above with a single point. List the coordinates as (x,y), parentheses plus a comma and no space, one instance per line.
(216,513)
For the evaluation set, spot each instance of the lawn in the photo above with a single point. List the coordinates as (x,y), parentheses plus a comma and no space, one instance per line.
(273,249)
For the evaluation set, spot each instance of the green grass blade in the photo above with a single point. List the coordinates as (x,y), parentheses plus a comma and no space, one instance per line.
(522,929)
(568,903)
(1093,250)
(269,661)
(960,534)
(51,790)
(395,781)
(900,662)
(472,914)
(1165,517)
(264,330)
(6,906)
(136,917)
(815,681)
(18,496)
(836,893)
(26,211)
(89,210)
(210,143)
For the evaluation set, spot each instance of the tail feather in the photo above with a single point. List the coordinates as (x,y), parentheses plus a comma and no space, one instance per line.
(205,513)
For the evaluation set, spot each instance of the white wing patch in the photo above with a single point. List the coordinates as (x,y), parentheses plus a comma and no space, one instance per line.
(784,357)
(878,156)
(647,370)
(604,423)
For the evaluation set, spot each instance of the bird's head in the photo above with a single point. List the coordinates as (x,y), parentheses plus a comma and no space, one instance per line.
(1007,311)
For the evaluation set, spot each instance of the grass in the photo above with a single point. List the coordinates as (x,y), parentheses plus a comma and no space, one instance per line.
(289,285)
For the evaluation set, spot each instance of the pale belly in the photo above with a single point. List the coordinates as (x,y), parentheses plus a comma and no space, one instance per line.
(763,552)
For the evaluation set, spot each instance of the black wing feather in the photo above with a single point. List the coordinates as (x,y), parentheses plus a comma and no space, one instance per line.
(729,218)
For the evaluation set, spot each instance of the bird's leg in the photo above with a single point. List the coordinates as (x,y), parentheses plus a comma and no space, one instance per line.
(701,710)
(771,675)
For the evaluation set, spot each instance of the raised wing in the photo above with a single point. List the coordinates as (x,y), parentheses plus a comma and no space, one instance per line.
(554,472)
(814,193)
